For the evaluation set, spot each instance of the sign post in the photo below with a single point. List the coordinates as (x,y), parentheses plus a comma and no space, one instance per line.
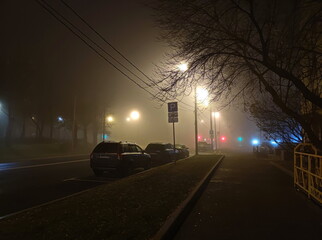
(173,118)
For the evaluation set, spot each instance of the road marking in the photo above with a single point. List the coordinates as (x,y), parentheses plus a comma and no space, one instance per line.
(44,165)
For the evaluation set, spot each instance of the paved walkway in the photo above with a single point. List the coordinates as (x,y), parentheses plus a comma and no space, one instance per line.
(249,198)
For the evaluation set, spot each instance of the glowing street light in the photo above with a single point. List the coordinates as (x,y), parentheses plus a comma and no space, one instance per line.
(60,119)
(216,114)
(202,96)
(183,67)
(128,119)
(109,119)
(135,115)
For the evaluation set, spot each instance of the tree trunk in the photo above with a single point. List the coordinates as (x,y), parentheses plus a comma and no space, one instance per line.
(8,136)
(51,131)
(95,130)
(23,129)
(85,133)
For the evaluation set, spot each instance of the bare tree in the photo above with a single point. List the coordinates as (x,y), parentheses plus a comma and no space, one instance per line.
(238,47)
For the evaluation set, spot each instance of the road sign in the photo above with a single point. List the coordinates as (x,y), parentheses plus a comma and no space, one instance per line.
(173,119)
(173,107)
(173,114)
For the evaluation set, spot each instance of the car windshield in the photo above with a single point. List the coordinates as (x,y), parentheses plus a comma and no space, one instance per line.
(155,147)
(106,148)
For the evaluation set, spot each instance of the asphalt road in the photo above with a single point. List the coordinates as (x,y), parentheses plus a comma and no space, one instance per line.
(249,198)
(27,184)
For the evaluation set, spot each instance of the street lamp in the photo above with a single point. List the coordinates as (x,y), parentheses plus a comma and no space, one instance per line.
(109,119)
(216,115)
(135,115)
(183,67)
(202,96)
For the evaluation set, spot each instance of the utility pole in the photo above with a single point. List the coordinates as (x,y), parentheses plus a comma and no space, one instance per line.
(211,132)
(216,140)
(74,133)
(196,122)
(104,123)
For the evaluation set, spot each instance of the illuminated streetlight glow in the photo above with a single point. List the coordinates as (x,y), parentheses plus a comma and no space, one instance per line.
(135,115)
(183,67)
(202,121)
(60,119)
(109,119)
(255,142)
(202,96)
(128,119)
(216,114)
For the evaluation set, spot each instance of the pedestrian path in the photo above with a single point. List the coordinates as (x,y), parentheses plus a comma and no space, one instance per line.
(248,198)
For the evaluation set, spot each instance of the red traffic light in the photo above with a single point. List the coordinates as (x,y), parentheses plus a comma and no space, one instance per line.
(223,138)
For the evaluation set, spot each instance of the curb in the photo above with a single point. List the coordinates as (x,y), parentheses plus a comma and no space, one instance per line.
(174,221)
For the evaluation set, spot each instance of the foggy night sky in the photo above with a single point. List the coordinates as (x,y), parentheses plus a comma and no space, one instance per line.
(32,35)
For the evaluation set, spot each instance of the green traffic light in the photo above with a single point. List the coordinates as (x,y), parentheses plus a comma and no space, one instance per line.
(239,139)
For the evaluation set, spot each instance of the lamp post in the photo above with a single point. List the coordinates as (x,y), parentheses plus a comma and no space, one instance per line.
(211,132)
(216,115)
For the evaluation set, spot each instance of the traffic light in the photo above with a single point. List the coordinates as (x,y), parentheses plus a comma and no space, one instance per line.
(223,138)
(240,139)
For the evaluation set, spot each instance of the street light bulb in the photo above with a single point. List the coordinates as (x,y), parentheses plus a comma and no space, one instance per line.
(216,114)
(183,67)
(202,96)
(135,115)
(110,119)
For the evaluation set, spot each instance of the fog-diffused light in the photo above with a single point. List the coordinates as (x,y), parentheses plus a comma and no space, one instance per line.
(274,143)
(183,67)
(135,115)
(255,142)
(239,139)
(223,138)
(128,119)
(110,119)
(202,96)
(60,119)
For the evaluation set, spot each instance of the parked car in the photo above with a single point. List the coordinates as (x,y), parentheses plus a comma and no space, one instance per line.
(183,151)
(162,152)
(118,156)
(204,147)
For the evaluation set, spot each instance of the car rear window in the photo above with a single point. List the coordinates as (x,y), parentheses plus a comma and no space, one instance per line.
(106,148)
(155,147)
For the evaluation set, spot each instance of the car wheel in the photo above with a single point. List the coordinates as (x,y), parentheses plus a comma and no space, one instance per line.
(97,172)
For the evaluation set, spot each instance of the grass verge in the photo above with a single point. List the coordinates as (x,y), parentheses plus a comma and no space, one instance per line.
(131,208)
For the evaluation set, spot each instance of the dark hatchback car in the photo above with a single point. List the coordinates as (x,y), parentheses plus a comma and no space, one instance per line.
(162,152)
(118,156)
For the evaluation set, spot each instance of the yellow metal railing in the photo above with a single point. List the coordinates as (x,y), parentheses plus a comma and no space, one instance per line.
(308,171)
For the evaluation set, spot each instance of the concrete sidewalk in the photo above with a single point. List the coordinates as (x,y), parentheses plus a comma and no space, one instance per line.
(248,198)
